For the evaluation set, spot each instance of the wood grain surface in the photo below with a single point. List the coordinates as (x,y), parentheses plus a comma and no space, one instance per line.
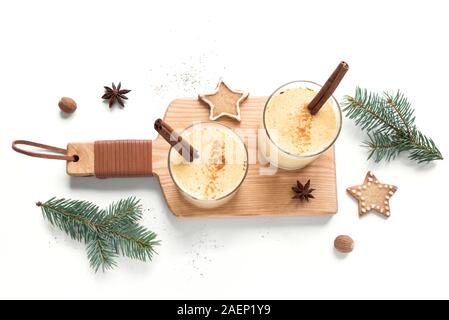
(85,165)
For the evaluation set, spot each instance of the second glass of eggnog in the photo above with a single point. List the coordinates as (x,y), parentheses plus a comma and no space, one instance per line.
(214,178)
(291,137)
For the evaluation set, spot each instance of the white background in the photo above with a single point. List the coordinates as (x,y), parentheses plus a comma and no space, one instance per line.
(164,50)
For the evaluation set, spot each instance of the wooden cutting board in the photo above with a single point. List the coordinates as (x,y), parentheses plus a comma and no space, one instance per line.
(259,195)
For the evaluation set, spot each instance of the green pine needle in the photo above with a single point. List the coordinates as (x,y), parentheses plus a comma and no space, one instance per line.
(107,233)
(390,123)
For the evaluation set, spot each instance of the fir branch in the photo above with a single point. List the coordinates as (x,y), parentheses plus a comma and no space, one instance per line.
(423,148)
(125,212)
(107,233)
(390,123)
(403,109)
(100,253)
(76,218)
(383,146)
(367,111)
(134,242)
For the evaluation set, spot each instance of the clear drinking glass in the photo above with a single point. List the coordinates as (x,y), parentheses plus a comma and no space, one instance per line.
(195,179)
(281,158)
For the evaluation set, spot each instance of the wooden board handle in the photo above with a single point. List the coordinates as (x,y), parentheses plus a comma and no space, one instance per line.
(111,158)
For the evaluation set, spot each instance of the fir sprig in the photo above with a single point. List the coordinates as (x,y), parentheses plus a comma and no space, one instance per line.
(106,232)
(390,123)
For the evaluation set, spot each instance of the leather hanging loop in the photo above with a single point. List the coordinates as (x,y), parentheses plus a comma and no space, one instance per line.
(61,156)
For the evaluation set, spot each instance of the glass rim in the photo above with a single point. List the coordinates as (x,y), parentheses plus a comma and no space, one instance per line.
(340,116)
(230,192)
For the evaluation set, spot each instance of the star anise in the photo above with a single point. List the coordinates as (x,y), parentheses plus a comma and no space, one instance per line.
(303,192)
(115,94)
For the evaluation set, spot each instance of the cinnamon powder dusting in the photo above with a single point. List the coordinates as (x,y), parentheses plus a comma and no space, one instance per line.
(303,131)
(216,163)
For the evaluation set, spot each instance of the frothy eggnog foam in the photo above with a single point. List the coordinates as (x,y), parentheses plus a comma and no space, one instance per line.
(218,171)
(292,127)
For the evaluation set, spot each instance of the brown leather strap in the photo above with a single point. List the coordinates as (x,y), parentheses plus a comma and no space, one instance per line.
(123,158)
(62,156)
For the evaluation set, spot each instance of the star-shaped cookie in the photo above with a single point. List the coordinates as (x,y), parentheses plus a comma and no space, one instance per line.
(224,101)
(373,195)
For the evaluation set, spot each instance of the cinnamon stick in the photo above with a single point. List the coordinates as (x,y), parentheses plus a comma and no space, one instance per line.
(328,89)
(183,147)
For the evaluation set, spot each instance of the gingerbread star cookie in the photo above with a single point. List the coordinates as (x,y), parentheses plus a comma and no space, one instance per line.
(373,195)
(224,101)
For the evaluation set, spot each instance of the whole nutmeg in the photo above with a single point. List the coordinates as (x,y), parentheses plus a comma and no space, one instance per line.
(67,104)
(344,244)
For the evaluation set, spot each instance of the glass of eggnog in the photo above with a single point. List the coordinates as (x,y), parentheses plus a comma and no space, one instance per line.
(215,176)
(291,137)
